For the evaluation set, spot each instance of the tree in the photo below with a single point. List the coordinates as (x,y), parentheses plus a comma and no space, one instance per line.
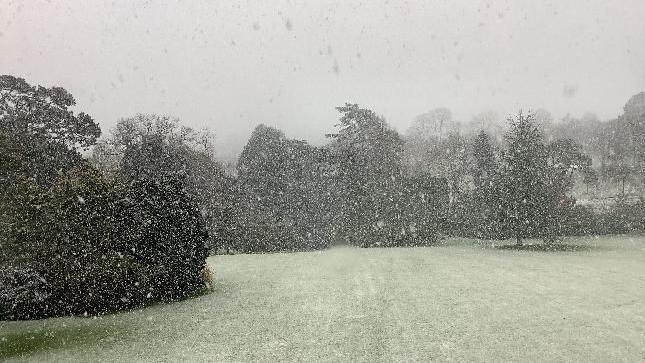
(367,155)
(442,155)
(484,159)
(619,167)
(283,194)
(488,122)
(634,120)
(564,158)
(484,197)
(58,256)
(527,200)
(423,141)
(159,225)
(454,164)
(434,146)
(159,148)
(589,176)
(435,124)
(535,179)
(179,143)
(40,120)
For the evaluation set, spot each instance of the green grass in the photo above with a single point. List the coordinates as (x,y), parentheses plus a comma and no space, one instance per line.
(464,300)
(24,342)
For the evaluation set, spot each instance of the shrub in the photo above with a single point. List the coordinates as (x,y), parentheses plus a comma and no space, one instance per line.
(161,227)
(580,221)
(59,245)
(621,218)
(84,246)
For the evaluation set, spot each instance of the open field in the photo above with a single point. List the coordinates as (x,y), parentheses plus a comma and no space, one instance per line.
(460,301)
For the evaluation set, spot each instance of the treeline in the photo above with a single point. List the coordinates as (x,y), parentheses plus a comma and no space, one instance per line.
(289,195)
(370,186)
(135,221)
(602,165)
(286,195)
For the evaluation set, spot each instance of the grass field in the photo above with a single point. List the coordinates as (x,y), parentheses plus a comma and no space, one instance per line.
(461,301)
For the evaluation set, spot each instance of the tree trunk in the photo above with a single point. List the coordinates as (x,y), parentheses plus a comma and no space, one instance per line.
(518,240)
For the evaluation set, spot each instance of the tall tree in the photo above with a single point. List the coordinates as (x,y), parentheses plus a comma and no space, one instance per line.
(525,177)
(484,197)
(634,120)
(564,158)
(423,141)
(283,194)
(484,159)
(367,154)
(42,125)
(159,148)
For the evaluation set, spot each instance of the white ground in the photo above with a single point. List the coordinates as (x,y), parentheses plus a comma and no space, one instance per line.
(459,302)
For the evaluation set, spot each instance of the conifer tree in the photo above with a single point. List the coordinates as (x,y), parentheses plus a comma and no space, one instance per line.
(524,187)
(484,197)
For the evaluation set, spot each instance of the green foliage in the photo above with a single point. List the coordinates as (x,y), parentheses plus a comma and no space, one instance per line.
(366,152)
(23,343)
(43,113)
(373,196)
(413,216)
(59,244)
(484,207)
(292,196)
(85,245)
(282,195)
(535,178)
(48,133)
(634,121)
(528,186)
(10,159)
(157,148)
(160,227)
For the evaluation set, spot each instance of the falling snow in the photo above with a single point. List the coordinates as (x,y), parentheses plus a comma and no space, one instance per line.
(352,217)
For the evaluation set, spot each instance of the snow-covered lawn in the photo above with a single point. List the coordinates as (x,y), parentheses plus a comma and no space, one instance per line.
(460,301)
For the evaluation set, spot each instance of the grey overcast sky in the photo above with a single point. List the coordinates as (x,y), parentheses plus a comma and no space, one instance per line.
(229,65)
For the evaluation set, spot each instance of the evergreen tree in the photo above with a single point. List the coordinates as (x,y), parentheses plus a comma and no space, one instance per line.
(367,155)
(283,194)
(158,225)
(484,195)
(485,164)
(634,120)
(524,189)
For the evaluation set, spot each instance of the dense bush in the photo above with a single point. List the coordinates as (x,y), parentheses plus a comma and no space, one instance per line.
(621,218)
(617,219)
(261,223)
(413,216)
(83,246)
(580,221)
(58,242)
(160,227)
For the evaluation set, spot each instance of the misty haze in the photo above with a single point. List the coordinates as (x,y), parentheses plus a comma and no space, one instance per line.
(322,181)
